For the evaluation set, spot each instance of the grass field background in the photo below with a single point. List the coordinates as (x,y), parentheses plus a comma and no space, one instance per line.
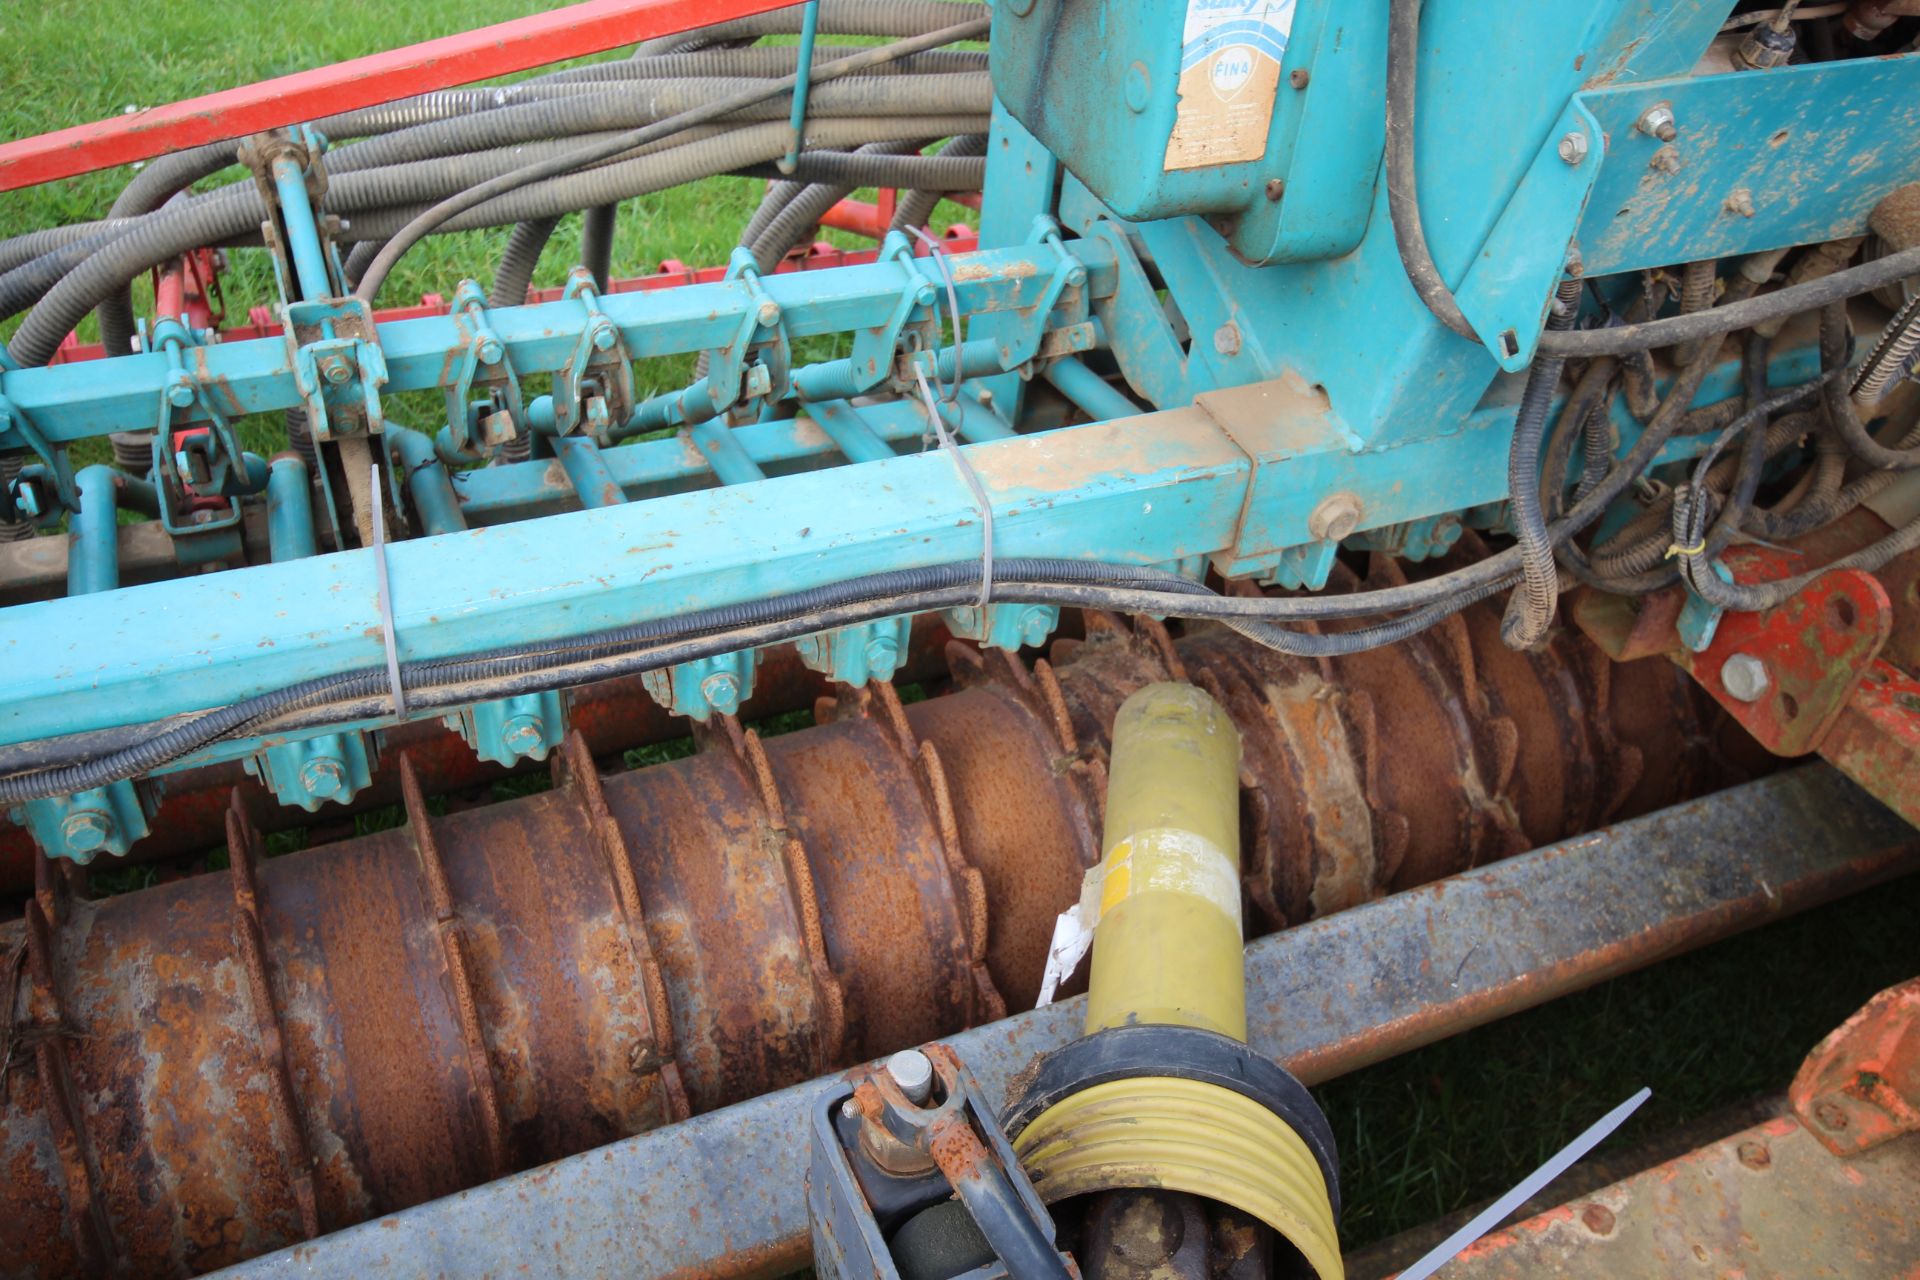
(1420,1136)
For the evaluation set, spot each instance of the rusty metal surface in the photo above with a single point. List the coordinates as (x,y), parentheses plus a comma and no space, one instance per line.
(723,1194)
(483,991)
(1861,1086)
(1770,1203)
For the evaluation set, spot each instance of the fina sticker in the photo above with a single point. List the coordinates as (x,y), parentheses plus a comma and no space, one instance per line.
(1230,57)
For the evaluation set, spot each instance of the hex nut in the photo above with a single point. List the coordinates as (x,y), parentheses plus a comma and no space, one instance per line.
(1744,677)
(1337,516)
(1573,147)
(1226,339)
(1657,122)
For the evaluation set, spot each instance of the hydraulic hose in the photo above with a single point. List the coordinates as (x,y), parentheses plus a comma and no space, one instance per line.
(514,276)
(1835,338)
(447,209)
(942,172)
(357,259)
(1747,314)
(837,18)
(917,205)
(1403,191)
(596,242)
(1529,613)
(756,61)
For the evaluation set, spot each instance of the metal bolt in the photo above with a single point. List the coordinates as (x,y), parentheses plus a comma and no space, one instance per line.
(1077,277)
(1298,77)
(1276,187)
(882,656)
(26,497)
(1573,147)
(491,352)
(603,337)
(1739,203)
(769,313)
(913,1072)
(1598,1219)
(1744,677)
(1035,625)
(722,691)
(336,369)
(1137,87)
(524,735)
(849,1110)
(86,831)
(1830,1115)
(1337,516)
(180,393)
(1755,1155)
(1657,122)
(323,778)
(1226,339)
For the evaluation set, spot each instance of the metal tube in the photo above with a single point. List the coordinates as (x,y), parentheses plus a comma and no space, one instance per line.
(1166,948)
(303,238)
(93,552)
(803,74)
(428,483)
(290,533)
(729,461)
(1089,391)
(587,471)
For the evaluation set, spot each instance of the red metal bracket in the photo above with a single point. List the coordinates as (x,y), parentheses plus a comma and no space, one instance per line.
(1862,1085)
(506,47)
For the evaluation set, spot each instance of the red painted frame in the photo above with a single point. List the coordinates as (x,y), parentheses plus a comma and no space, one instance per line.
(591,27)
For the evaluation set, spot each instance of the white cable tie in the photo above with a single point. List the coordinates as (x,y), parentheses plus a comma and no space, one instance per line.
(939,256)
(386,597)
(944,434)
(1530,1186)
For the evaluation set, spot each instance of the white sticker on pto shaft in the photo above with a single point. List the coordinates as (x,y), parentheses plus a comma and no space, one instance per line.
(1230,55)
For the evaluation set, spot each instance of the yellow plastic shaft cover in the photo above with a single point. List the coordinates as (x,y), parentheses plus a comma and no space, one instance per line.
(1167,942)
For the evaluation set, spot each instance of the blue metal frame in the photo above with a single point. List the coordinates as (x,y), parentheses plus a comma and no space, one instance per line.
(1320,375)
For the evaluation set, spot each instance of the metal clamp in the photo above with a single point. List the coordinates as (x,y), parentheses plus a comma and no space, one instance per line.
(25,496)
(874,350)
(595,385)
(199,469)
(734,375)
(1032,339)
(480,365)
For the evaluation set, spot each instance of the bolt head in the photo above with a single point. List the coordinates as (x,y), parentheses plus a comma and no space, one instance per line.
(1745,677)
(335,370)
(769,313)
(603,337)
(1337,516)
(1036,624)
(1276,187)
(524,735)
(324,778)
(86,832)
(1598,1219)
(1573,147)
(1226,339)
(491,351)
(1298,77)
(1755,1155)
(1830,1116)
(1137,87)
(180,393)
(722,692)
(912,1071)
(882,656)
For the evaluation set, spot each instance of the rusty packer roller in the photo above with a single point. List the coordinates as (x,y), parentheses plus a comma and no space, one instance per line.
(234,1062)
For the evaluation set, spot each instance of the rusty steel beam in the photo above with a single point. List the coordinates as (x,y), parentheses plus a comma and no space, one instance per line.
(723,1195)
(612,716)
(235,1062)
